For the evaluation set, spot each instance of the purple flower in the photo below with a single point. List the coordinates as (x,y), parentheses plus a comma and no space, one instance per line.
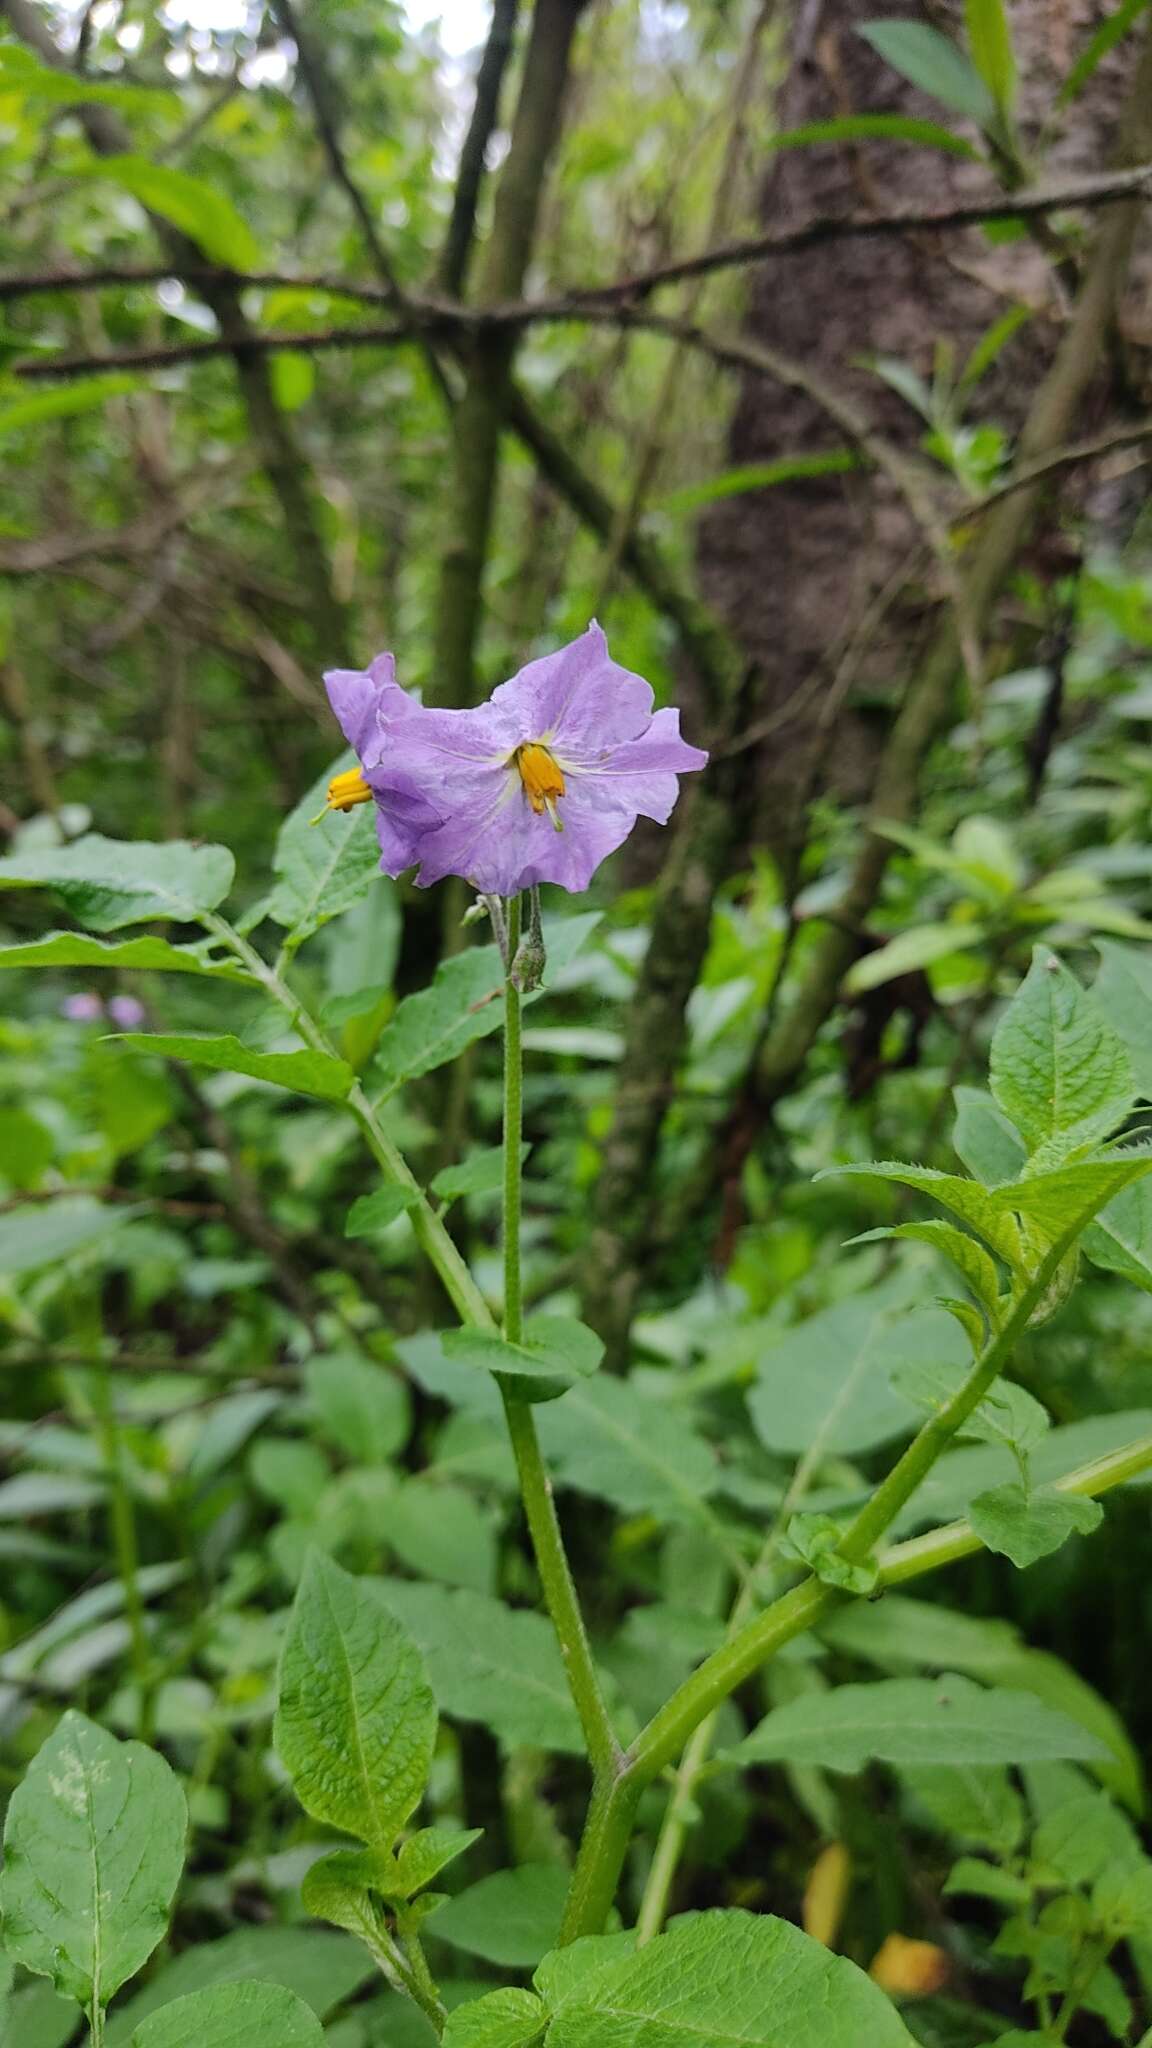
(126,1011)
(85,1009)
(540,784)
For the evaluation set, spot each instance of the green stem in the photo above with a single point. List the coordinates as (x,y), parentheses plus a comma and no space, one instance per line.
(535,1486)
(96,2023)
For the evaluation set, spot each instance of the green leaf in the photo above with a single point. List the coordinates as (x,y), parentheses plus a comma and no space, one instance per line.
(490,1663)
(1071,1196)
(1058,1069)
(1027,1526)
(325,861)
(356,1721)
(974,1205)
(511,1919)
(440,1532)
(914,1721)
(816,1540)
(373,1213)
(341,1888)
(233,2016)
(1008,1414)
(728,1980)
(482,1173)
(23,72)
(875,127)
(911,950)
(45,1233)
(86,395)
(1079,1839)
(1123,993)
(198,209)
(322,1968)
(987,1143)
(305,1072)
(503,2019)
(970,1258)
(762,476)
(108,883)
(929,60)
(608,1439)
(828,1382)
(429,1851)
(971,1877)
(1120,1240)
(461,1005)
(990,41)
(556,1351)
(971,1802)
(1109,33)
(363,1409)
(150,955)
(94,1848)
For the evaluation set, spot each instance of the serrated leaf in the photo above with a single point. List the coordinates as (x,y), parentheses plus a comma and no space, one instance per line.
(233,2016)
(325,861)
(1072,1196)
(555,1352)
(909,951)
(305,1072)
(356,1721)
(94,1848)
(503,2019)
(929,60)
(512,1918)
(984,1140)
(914,1721)
(1008,1414)
(490,1663)
(728,1980)
(372,1213)
(109,883)
(828,1381)
(1080,1838)
(1058,1069)
(1027,1526)
(150,955)
(198,209)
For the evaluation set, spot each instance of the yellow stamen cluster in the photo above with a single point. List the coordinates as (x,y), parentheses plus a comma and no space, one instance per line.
(543,779)
(344,791)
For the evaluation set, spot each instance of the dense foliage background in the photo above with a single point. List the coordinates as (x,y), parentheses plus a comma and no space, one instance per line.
(317,340)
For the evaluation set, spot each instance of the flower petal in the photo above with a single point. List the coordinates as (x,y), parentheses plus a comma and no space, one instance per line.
(641,773)
(578,698)
(356,696)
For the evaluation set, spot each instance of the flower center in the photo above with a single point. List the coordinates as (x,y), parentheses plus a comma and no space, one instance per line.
(543,779)
(346,790)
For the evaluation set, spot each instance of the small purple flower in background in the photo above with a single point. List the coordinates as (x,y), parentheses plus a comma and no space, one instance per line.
(85,1009)
(540,784)
(126,1011)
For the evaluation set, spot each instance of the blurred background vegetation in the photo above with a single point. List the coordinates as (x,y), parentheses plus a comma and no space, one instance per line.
(871,506)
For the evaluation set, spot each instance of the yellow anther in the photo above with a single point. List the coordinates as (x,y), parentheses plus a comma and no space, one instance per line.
(543,779)
(344,791)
